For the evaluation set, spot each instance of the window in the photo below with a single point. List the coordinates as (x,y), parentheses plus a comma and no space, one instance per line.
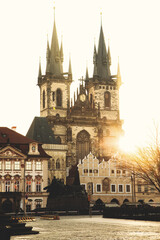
(16,186)
(95,170)
(7,186)
(28,207)
(128,188)
(38,186)
(82,145)
(124,172)
(38,165)
(53,164)
(107,99)
(120,188)
(8,165)
(43,99)
(98,187)
(139,188)
(85,170)
(112,171)
(28,186)
(118,171)
(145,189)
(59,97)
(90,170)
(28,166)
(113,188)
(0,165)
(58,164)
(16,165)
(38,203)
(49,164)
(91,98)
(53,96)
(33,148)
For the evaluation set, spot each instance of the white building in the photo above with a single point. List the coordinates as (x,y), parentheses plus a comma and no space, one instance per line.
(23,168)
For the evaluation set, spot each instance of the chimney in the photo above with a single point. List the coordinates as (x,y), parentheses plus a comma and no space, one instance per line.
(14,128)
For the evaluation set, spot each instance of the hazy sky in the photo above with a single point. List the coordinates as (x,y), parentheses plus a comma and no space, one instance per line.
(133,29)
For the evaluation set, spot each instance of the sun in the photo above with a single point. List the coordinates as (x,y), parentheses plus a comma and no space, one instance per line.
(126,144)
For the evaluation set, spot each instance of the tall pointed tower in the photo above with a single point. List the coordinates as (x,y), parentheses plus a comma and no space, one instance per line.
(54,85)
(103,90)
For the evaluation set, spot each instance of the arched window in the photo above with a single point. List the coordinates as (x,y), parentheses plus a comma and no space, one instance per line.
(44,98)
(58,139)
(58,164)
(59,97)
(82,144)
(53,162)
(107,99)
(91,98)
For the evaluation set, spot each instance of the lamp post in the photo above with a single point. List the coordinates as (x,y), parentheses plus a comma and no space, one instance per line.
(133,187)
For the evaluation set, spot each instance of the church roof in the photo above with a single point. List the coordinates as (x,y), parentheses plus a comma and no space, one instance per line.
(41,131)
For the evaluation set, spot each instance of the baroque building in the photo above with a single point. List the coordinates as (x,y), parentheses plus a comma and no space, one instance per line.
(23,172)
(88,123)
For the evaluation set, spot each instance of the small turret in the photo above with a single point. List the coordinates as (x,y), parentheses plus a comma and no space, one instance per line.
(70,69)
(61,51)
(48,57)
(109,54)
(39,72)
(119,81)
(87,75)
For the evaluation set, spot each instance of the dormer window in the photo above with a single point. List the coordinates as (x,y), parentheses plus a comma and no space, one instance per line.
(33,148)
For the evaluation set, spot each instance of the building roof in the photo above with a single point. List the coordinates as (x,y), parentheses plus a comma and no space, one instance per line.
(40,131)
(12,138)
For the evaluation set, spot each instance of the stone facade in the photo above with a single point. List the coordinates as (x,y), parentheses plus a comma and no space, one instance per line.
(89,122)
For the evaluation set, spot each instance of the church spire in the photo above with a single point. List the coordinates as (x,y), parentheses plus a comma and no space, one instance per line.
(55,56)
(101,59)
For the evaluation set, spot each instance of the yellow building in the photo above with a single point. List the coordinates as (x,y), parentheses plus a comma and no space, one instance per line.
(106,181)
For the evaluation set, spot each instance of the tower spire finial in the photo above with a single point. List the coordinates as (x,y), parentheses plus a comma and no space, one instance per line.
(101,17)
(54,9)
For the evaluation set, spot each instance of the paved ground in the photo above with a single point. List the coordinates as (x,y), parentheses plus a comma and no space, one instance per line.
(92,228)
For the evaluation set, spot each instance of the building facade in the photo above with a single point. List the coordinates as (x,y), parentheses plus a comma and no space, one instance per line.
(88,123)
(105,180)
(23,169)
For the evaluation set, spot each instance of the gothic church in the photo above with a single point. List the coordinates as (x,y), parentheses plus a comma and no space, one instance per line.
(71,129)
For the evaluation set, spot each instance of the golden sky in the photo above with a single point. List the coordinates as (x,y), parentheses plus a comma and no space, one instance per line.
(132,27)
